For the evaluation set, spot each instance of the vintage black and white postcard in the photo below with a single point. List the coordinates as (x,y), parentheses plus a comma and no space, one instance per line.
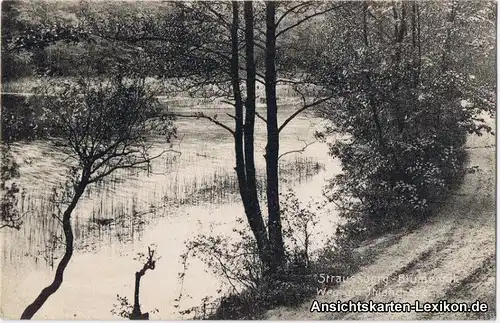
(270,160)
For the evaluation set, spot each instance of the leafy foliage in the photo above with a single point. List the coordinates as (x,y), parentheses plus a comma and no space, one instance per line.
(21,120)
(103,126)
(123,308)
(242,270)
(406,105)
(78,116)
(10,216)
(410,79)
(297,231)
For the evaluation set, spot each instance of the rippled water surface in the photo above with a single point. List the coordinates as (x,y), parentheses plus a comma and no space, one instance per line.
(192,190)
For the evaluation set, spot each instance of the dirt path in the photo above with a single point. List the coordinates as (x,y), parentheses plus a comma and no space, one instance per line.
(451,257)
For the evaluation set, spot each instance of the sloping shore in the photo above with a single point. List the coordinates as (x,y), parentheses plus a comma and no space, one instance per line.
(451,257)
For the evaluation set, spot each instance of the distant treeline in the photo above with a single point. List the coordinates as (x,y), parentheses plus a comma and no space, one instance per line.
(148,38)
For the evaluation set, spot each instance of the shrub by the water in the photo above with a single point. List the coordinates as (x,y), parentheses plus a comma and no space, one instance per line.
(404,108)
(250,292)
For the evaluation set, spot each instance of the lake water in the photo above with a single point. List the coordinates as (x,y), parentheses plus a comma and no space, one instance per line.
(190,191)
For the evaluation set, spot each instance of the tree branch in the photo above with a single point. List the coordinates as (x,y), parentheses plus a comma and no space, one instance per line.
(227,102)
(305,107)
(13,223)
(306,19)
(298,150)
(260,117)
(204,116)
(292,10)
(219,16)
(120,165)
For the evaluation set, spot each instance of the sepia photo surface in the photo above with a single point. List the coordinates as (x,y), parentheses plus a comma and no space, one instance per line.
(269,160)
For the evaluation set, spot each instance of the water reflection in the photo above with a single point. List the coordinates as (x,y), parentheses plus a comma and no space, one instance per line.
(186,194)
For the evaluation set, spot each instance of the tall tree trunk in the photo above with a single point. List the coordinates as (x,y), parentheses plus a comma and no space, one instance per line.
(445,56)
(445,61)
(58,277)
(399,35)
(415,38)
(414,66)
(365,24)
(385,148)
(235,83)
(244,133)
(255,214)
(419,44)
(371,99)
(272,148)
